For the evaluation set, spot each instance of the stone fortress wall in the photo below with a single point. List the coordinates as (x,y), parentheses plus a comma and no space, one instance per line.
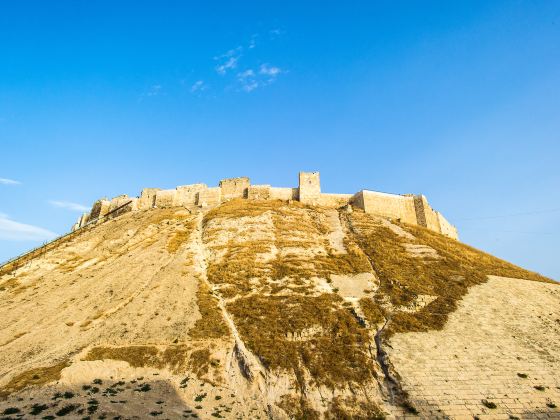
(408,208)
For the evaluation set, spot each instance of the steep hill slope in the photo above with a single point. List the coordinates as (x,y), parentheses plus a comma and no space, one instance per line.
(269,309)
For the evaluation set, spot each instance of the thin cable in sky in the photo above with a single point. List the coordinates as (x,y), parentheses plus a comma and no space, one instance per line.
(511,215)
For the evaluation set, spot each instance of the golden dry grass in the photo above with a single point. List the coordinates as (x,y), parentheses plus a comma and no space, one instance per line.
(298,408)
(295,226)
(178,358)
(350,408)
(373,312)
(135,356)
(473,257)
(33,377)
(181,236)
(211,324)
(334,354)
(403,276)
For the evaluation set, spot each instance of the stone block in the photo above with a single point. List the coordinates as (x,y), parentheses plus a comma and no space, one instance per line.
(309,187)
(284,194)
(234,188)
(187,194)
(393,206)
(100,208)
(259,192)
(209,197)
(147,198)
(165,198)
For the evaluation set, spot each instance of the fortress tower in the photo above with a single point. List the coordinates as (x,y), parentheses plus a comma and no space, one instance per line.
(309,187)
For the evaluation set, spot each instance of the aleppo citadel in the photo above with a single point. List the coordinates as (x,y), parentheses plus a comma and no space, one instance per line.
(407,208)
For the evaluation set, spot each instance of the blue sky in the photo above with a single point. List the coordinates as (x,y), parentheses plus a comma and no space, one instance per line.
(457,100)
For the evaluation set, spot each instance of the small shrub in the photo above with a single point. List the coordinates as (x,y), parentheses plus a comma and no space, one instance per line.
(156,413)
(68,395)
(410,408)
(97,381)
(522,375)
(489,404)
(11,410)
(200,397)
(67,409)
(539,387)
(144,388)
(550,404)
(37,409)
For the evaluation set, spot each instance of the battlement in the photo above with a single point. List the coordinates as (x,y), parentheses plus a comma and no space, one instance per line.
(408,208)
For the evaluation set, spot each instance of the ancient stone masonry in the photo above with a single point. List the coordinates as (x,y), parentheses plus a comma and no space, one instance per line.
(309,187)
(408,208)
(234,188)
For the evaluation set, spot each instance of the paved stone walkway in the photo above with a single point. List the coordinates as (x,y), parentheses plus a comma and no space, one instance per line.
(502,347)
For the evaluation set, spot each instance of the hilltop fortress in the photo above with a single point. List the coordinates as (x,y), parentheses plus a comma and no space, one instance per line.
(408,208)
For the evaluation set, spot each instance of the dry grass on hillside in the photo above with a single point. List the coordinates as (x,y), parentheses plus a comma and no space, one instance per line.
(295,227)
(317,335)
(181,236)
(211,324)
(373,312)
(33,377)
(473,257)
(403,276)
(178,358)
(334,351)
(351,408)
(298,408)
(237,208)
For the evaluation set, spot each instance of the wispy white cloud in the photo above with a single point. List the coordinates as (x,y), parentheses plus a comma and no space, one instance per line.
(254,76)
(198,86)
(230,53)
(154,90)
(269,70)
(7,181)
(229,64)
(246,74)
(68,205)
(253,42)
(250,85)
(247,80)
(251,79)
(275,33)
(229,60)
(10,230)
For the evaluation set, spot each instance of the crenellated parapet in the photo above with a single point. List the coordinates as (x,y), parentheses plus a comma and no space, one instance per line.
(408,208)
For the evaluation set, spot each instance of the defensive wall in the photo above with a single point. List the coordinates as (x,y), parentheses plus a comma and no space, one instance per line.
(408,208)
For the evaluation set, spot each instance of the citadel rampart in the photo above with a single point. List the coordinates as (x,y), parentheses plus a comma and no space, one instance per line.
(408,208)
